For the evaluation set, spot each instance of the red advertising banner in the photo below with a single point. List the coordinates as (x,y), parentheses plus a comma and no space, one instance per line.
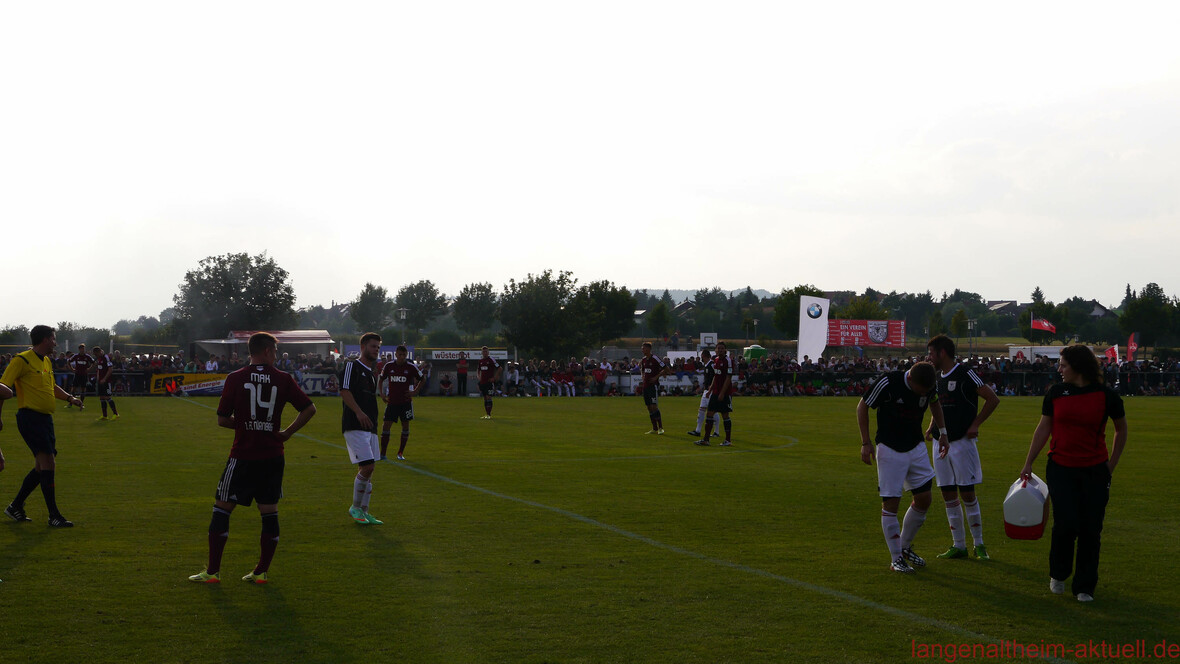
(890,333)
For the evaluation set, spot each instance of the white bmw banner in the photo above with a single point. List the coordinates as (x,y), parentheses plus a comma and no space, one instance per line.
(813,327)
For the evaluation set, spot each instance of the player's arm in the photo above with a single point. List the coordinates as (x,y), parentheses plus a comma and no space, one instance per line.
(301,419)
(226,421)
(382,387)
(1039,438)
(350,403)
(944,443)
(5,393)
(867,451)
(418,387)
(990,402)
(1120,441)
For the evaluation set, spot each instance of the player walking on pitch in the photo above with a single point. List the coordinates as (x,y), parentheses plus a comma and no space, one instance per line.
(959,390)
(651,368)
(102,383)
(80,362)
(404,382)
(252,404)
(30,376)
(720,397)
(358,392)
(900,399)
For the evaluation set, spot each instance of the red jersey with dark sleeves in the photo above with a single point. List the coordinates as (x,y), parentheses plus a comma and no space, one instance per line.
(651,367)
(255,396)
(81,363)
(1079,422)
(401,378)
(104,364)
(487,369)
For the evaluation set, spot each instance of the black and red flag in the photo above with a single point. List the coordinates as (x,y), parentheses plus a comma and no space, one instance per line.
(1042,324)
(1132,346)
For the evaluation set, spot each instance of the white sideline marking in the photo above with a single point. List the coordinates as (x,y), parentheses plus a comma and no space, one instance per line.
(804,585)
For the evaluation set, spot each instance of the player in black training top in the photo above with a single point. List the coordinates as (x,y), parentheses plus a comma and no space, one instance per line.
(358,392)
(901,399)
(959,391)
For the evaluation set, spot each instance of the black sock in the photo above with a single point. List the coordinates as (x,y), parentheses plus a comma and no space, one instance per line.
(268,541)
(32,481)
(728,428)
(104,408)
(113,409)
(218,535)
(48,489)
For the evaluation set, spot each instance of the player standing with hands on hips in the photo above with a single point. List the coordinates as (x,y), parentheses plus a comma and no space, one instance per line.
(959,390)
(901,399)
(252,404)
(404,382)
(489,373)
(1073,422)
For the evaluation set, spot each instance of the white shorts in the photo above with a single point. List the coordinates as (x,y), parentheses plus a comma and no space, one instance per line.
(898,472)
(362,445)
(960,466)
(705,400)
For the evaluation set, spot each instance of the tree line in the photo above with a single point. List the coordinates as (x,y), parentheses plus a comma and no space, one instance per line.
(550,314)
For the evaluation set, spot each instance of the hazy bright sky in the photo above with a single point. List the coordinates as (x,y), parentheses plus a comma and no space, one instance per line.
(992,147)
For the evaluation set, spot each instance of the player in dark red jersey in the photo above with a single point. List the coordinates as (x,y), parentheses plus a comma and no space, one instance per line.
(400,382)
(80,363)
(650,369)
(489,373)
(720,396)
(102,383)
(252,405)
(461,375)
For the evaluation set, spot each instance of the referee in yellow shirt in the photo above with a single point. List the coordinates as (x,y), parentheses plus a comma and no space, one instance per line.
(30,375)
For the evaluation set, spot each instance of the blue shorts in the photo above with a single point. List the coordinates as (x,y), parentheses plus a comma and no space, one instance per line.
(37,430)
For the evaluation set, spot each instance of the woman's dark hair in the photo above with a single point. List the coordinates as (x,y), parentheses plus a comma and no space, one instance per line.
(1081,359)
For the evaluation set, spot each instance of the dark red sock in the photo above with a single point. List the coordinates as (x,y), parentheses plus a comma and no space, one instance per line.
(268,541)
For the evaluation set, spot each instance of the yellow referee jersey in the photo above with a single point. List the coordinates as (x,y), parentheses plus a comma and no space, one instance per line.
(31,376)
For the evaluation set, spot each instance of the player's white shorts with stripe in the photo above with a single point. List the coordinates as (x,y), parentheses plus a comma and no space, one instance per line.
(898,472)
(705,400)
(362,445)
(960,466)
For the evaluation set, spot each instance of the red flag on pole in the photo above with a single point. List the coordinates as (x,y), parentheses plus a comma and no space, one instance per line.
(1042,324)
(1132,346)
(1113,352)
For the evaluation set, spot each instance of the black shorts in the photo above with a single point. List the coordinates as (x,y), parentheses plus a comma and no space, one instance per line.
(651,395)
(399,411)
(486,389)
(718,404)
(80,381)
(246,480)
(37,430)
(102,389)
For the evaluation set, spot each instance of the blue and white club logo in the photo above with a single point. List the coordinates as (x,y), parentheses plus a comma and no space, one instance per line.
(814,311)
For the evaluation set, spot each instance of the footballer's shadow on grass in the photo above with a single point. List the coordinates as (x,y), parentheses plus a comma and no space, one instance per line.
(275,626)
(386,551)
(15,550)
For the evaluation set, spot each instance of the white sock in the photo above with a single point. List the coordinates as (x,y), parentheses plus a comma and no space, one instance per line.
(700,420)
(716,421)
(365,500)
(892,530)
(975,521)
(359,490)
(914,518)
(954,516)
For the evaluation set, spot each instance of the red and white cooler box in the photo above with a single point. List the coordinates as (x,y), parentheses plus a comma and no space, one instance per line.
(1026,509)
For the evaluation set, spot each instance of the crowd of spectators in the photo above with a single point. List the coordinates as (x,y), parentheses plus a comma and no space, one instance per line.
(776,374)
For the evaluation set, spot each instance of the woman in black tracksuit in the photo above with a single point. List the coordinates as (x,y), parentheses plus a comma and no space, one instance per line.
(1073,420)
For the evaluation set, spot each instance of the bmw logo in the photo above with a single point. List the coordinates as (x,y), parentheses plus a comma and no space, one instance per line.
(814,311)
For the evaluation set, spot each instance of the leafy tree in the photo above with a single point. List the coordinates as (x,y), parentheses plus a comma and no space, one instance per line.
(475,308)
(372,308)
(712,299)
(1038,296)
(422,302)
(863,308)
(1063,321)
(445,339)
(914,309)
(659,320)
(645,300)
(747,298)
(959,324)
(786,308)
(532,313)
(666,298)
(601,312)
(234,292)
(1149,314)
(17,335)
(934,323)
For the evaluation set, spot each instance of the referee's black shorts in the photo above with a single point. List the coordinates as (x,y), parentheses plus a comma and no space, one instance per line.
(37,430)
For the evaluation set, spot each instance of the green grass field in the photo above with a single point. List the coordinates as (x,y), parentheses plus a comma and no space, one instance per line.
(557,532)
